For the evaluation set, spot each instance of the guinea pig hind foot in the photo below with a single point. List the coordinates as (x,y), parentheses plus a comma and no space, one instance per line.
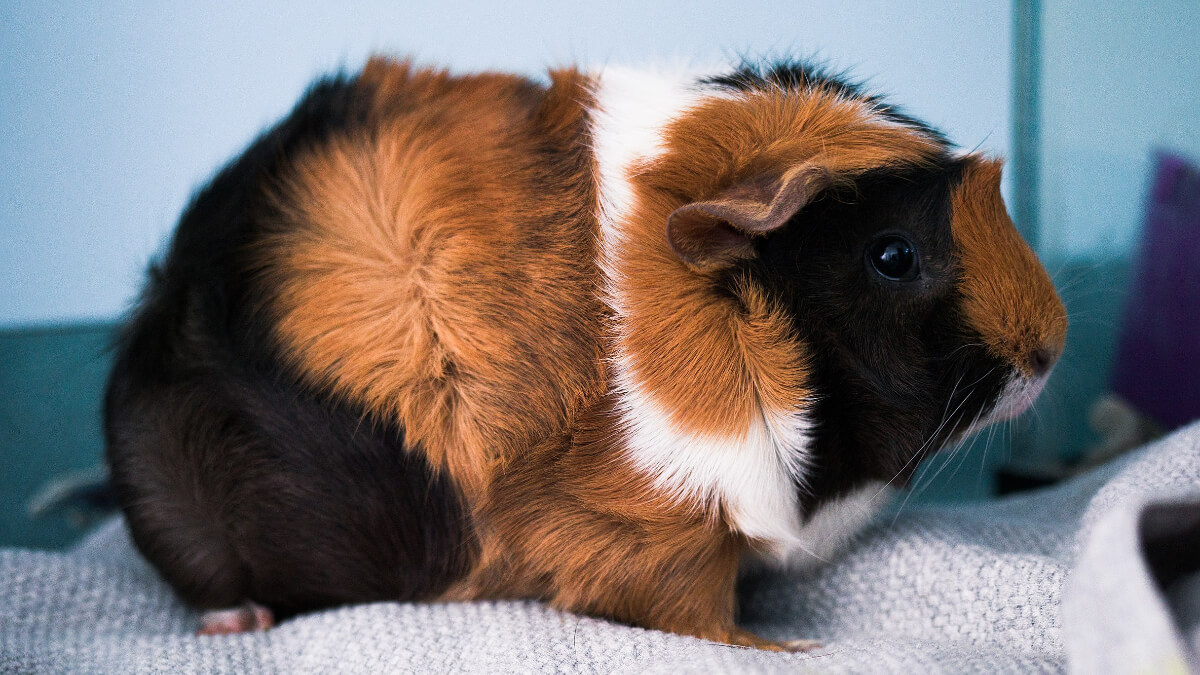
(744,638)
(245,618)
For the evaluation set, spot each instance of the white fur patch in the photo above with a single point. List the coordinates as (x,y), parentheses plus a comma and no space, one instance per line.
(754,475)
(632,108)
(1016,397)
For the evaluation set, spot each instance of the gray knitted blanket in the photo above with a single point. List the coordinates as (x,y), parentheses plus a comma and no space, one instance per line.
(1101,574)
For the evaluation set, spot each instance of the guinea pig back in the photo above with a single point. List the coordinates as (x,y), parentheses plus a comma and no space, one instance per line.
(593,342)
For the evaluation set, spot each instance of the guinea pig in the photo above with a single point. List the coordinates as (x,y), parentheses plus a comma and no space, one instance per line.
(592,341)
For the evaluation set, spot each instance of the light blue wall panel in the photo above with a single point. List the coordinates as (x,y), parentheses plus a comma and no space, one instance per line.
(113,112)
(1118,80)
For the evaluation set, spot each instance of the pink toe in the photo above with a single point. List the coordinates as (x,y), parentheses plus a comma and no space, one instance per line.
(244,619)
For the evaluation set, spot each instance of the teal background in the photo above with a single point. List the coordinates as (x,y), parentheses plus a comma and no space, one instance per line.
(1116,81)
(51,386)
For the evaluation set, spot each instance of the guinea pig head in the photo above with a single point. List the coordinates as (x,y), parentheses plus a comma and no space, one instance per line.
(925,315)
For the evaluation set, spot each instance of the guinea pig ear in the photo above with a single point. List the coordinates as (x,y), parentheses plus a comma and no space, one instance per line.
(714,233)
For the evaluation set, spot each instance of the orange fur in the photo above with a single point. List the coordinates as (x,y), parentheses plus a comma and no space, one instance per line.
(577,525)
(438,269)
(578,528)
(1013,305)
(710,360)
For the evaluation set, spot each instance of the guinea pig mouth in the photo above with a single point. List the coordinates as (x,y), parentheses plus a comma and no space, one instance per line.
(1017,396)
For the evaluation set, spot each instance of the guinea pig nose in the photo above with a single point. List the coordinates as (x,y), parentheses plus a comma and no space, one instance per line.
(1040,360)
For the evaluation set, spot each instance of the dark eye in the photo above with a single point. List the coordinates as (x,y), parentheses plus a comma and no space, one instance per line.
(894,258)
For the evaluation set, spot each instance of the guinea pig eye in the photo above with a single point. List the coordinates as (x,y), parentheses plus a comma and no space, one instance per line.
(893,257)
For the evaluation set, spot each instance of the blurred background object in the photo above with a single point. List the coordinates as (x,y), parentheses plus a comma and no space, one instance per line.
(1157,364)
(113,113)
(1114,83)
(51,383)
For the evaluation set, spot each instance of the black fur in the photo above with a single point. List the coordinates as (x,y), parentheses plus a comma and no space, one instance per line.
(237,482)
(880,394)
(879,397)
(798,75)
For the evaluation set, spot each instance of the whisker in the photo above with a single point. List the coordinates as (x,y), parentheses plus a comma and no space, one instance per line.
(983,464)
(920,484)
(924,469)
(945,417)
(966,449)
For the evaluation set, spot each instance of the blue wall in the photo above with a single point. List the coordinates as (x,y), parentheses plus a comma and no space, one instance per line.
(113,112)
(1118,80)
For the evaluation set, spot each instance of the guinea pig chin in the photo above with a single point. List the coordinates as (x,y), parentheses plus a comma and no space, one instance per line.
(1017,396)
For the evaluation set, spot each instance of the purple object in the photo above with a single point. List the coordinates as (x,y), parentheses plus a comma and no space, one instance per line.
(1157,365)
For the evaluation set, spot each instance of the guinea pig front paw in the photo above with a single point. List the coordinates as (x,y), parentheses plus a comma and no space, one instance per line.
(246,618)
(802,645)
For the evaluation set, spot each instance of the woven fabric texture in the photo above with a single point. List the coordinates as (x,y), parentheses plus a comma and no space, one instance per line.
(1050,581)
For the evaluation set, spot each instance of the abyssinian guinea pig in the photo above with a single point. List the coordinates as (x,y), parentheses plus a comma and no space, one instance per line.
(591,341)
